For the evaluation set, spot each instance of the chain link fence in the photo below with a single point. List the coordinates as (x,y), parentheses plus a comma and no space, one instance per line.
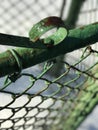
(37,100)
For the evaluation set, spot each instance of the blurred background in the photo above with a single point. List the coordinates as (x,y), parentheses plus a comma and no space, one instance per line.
(18,16)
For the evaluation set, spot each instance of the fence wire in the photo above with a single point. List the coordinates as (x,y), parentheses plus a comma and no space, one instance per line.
(37,100)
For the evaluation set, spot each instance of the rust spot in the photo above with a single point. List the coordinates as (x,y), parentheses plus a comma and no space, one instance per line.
(49,45)
(35,39)
(55,21)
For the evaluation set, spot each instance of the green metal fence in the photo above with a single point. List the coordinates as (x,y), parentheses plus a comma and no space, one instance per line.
(35,99)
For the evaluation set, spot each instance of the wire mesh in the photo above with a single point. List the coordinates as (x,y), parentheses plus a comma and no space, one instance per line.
(37,100)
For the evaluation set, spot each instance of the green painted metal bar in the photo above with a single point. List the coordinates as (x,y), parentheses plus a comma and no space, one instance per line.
(77,38)
(19,41)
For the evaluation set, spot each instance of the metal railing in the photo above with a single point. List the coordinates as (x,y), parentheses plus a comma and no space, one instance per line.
(35,99)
